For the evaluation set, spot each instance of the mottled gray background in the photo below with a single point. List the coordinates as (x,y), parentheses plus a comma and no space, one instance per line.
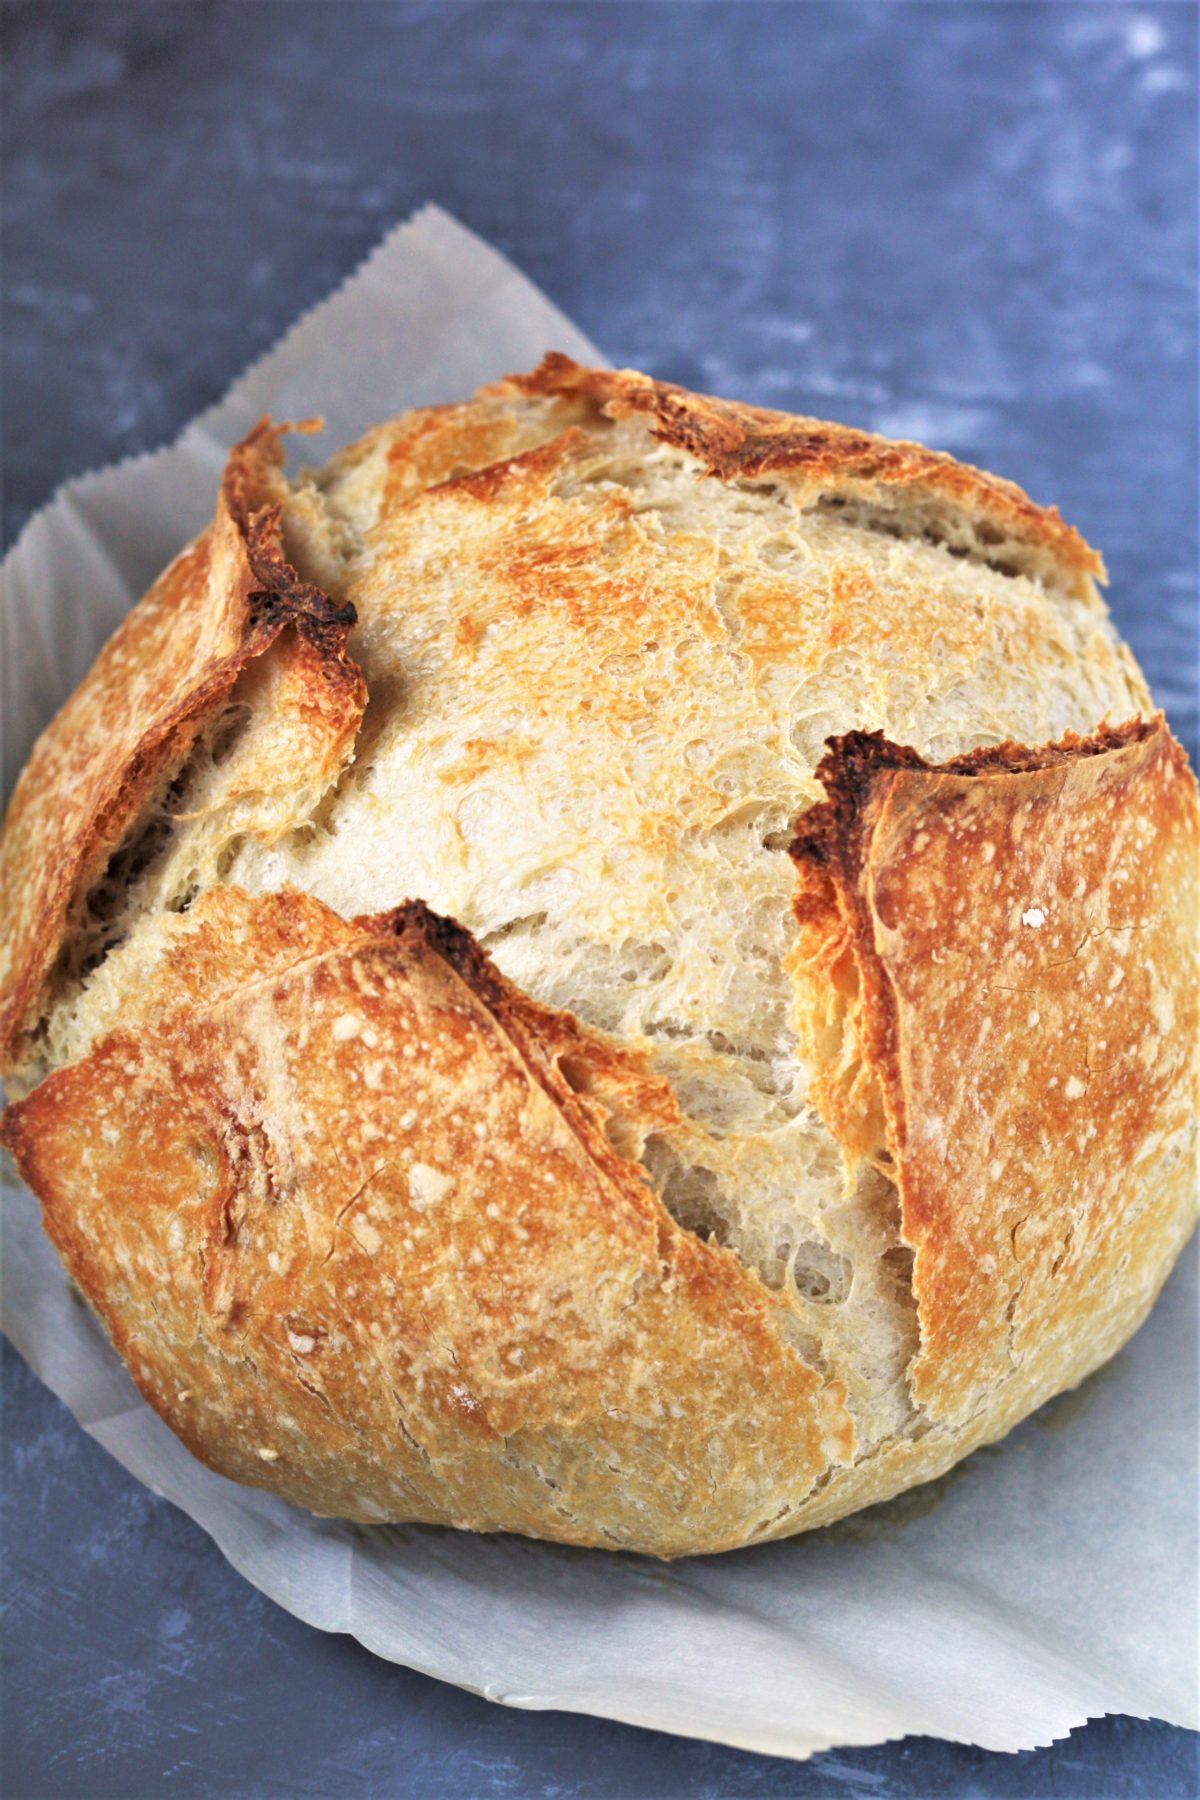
(972,224)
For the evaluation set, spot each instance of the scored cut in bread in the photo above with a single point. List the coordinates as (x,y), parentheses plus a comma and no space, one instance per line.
(610,965)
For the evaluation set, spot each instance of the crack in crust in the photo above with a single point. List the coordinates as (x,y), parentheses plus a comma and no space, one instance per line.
(512,1305)
(1041,1166)
(134,719)
(282,597)
(353,1143)
(597,1080)
(737,441)
(834,907)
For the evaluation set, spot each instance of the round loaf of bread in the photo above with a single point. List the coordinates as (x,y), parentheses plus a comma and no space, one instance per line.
(609,965)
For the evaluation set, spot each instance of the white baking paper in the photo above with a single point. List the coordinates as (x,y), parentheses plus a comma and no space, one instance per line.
(1043,1582)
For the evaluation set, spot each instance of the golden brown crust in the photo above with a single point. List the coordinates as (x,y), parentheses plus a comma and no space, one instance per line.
(165,672)
(360,1242)
(735,441)
(1000,962)
(366,1220)
(612,1083)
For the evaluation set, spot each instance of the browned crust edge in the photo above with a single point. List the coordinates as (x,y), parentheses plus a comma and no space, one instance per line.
(680,1293)
(70,856)
(587,1074)
(282,597)
(989,1137)
(832,840)
(735,441)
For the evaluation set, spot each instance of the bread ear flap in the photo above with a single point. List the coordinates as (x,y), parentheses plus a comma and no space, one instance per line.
(105,764)
(361,1242)
(997,984)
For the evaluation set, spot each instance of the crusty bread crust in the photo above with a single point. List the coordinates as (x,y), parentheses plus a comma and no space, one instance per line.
(735,441)
(361,1242)
(984,950)
(378,1227)
(131,722)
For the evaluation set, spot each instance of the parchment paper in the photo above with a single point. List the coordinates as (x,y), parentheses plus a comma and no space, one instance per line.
(1045,1581)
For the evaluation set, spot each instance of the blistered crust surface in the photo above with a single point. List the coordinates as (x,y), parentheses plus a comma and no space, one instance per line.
(998,958)
(360,1242)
